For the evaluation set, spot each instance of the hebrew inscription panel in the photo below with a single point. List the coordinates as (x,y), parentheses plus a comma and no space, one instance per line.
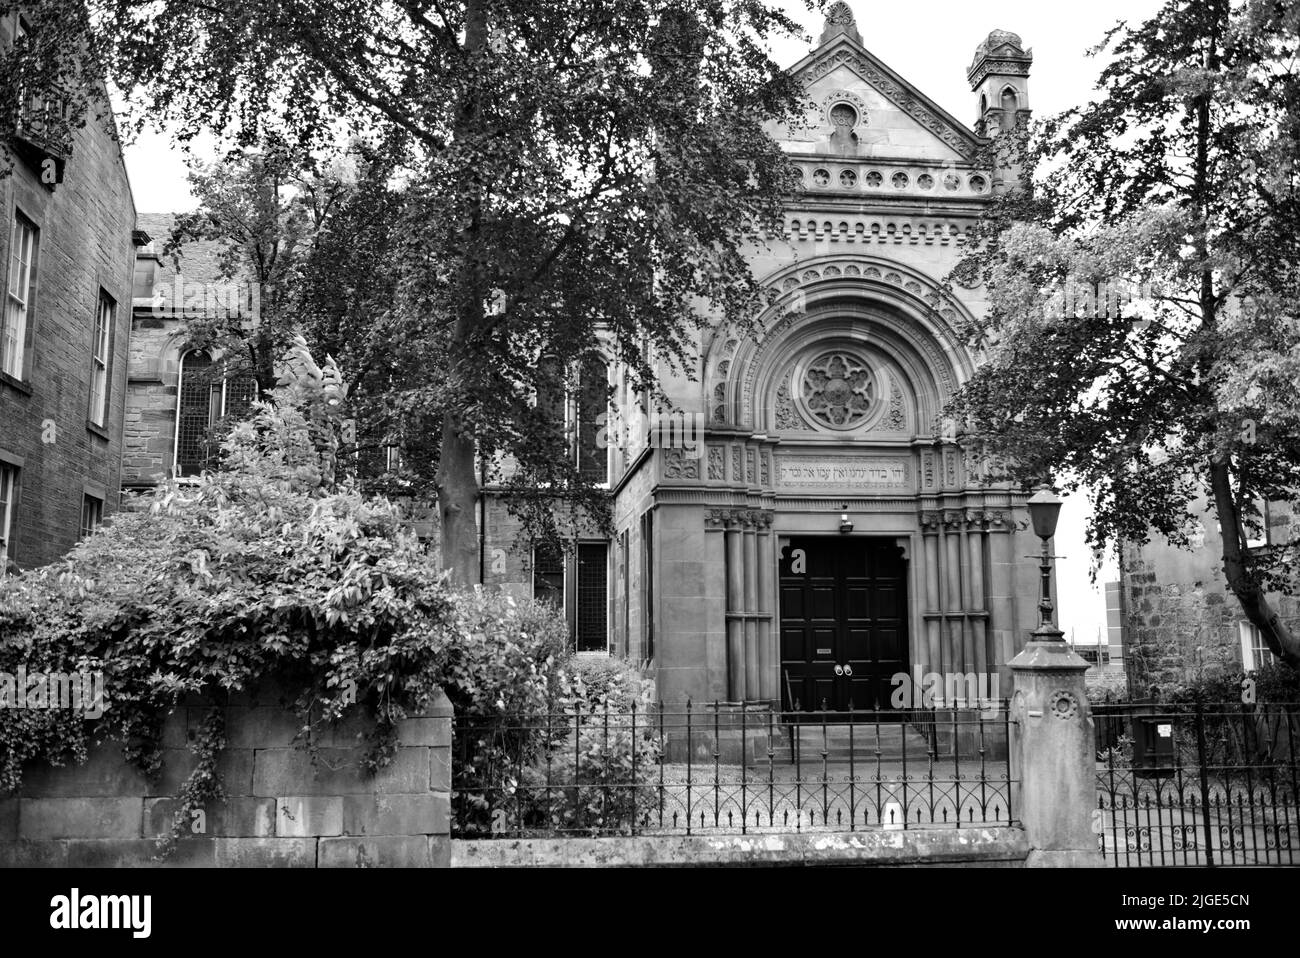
(874,473)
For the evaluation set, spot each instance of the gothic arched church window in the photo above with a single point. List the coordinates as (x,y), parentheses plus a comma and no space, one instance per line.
(198,409)
(207,399)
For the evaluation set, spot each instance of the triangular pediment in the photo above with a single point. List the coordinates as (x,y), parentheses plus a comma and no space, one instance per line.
(1006,50)
(899,119)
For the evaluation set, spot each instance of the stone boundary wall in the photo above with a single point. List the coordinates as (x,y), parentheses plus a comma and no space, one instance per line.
(279,810)
(985,846)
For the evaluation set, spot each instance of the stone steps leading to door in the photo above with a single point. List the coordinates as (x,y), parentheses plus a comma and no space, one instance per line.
(865,741)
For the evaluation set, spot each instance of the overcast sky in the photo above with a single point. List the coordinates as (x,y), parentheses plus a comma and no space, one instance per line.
(930,45)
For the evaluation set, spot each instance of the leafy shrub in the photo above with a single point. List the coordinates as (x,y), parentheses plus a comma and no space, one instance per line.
(572,763)
(1273,683)
(1213,688)
(1277,683)
(266,570)
(1120,755)
(598,680)
(1236,732)
(509,663)
(1109,687)
(599,775)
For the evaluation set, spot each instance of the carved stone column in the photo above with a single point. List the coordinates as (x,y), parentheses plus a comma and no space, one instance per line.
(931,657)
(975,593)
(767,632)
(954,661)
(751,606)
(735,611)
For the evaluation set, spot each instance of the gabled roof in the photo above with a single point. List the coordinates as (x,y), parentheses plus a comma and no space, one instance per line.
(193,284)
(843,49)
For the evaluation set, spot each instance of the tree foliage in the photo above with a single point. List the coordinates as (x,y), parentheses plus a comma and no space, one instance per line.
(51,80)
(1143,338)
(316,240)
(577,177)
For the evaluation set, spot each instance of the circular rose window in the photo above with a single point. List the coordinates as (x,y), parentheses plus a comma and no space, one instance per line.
(837,389)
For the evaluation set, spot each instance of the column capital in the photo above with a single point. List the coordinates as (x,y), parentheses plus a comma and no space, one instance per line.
(1001,520)
(735,519)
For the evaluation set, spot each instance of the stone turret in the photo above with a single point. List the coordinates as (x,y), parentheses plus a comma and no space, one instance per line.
(999,76)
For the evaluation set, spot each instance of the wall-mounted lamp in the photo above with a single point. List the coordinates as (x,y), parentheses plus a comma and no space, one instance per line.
(845,525)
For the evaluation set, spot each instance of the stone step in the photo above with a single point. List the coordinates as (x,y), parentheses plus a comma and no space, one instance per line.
(862,743)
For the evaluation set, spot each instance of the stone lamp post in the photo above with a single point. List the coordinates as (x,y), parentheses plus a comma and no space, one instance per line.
(1052,745)
(1044,510)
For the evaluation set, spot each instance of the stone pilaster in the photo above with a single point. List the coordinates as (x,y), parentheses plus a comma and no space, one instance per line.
(1002,588)
(767,634)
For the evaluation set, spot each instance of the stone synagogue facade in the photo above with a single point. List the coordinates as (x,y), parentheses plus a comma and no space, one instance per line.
(824,535)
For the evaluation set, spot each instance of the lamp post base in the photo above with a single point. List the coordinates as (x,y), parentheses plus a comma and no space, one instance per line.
(1054,751)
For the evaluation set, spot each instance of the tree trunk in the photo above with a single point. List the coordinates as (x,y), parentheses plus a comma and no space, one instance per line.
(1243,583)
(458,492)
(1281,641)
(457,480)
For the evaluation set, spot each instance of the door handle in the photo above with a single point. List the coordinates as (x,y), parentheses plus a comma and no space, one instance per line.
(839,670)
(848,670)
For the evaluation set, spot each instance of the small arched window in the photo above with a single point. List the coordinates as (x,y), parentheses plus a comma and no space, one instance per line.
(1010,103)
(197,410)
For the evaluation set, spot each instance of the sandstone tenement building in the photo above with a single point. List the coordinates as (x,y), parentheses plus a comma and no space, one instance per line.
(67,253)
(1182,621)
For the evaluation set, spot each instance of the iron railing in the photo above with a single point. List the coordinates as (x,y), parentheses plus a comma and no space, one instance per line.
(1197,784)
(728,769)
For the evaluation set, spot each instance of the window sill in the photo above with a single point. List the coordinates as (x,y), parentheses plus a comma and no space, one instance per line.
(17,385)
(99,431)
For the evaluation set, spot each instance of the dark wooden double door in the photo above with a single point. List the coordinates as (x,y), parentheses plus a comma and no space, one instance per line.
(843,622)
